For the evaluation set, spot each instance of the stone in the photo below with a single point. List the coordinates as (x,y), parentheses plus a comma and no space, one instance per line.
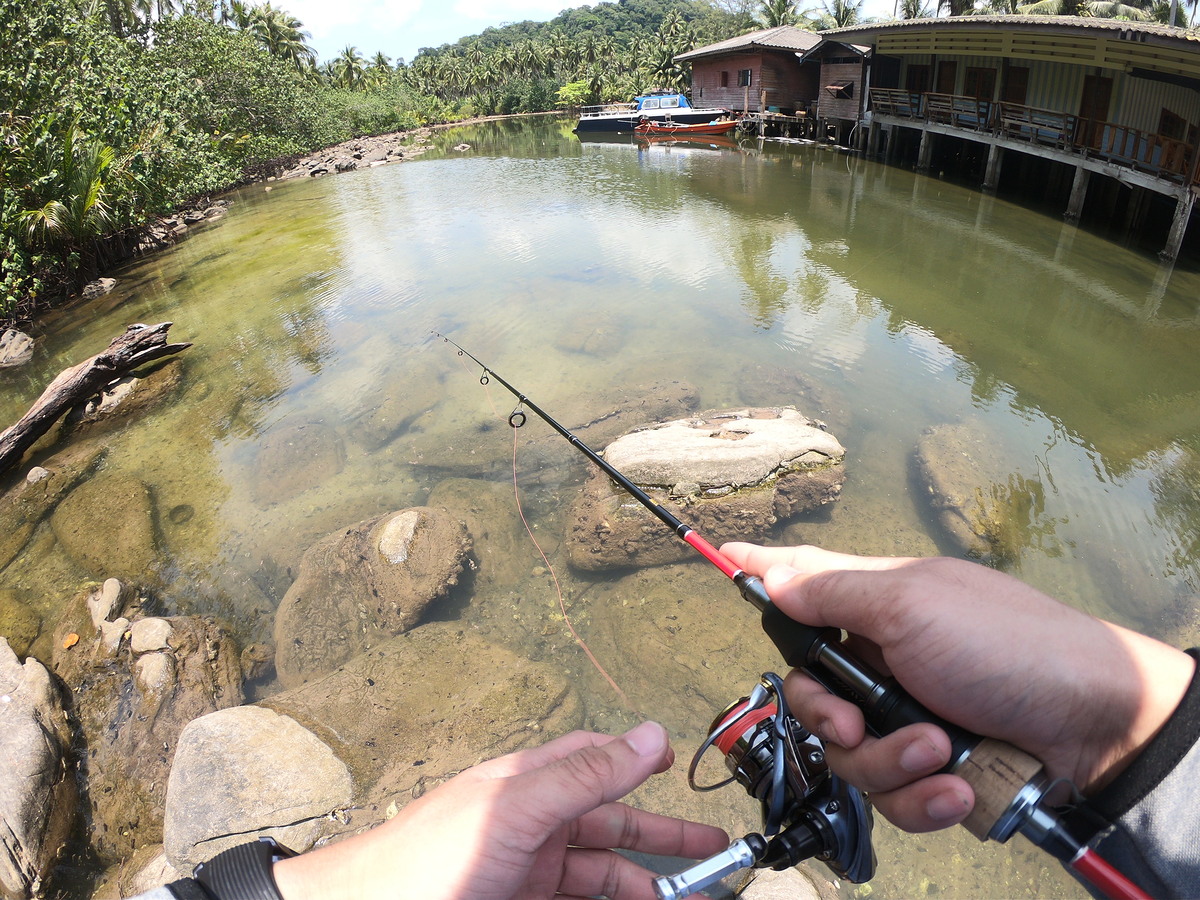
(729,474)
(16,348)
(24,503)
(149,634)
(98,288)
(401,728)
(796,883)
(128,397)
(363,584)
(37,785)
(293,459)
(106,524)
(967,477)
(18,622)
(246,771)
(36,474)
(132,705)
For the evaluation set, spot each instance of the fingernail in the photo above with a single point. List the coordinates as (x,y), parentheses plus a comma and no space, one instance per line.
(947,806)
(828,733)
(921,756)
(648,739)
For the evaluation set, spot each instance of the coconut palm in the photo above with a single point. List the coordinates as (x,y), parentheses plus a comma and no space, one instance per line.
(778,12)
(282,35)
(349,68)
(915,9)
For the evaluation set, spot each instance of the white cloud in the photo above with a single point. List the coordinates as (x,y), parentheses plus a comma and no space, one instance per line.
(495,13)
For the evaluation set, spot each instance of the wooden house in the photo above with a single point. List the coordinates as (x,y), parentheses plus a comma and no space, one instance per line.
(1083,98)
(757,72)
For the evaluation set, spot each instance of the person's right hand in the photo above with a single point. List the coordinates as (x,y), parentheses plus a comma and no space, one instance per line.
(980,649)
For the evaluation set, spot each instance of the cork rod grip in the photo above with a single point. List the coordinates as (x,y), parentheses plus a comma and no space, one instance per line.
(996,771)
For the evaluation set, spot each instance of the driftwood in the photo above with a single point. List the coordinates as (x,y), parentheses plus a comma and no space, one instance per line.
(139,345)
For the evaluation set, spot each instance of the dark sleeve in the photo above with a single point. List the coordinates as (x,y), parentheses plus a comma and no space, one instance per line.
(1154,835)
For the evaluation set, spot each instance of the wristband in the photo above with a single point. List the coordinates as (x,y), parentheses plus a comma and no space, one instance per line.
(243,872)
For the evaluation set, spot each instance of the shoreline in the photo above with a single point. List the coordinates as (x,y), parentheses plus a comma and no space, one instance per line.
(163,232)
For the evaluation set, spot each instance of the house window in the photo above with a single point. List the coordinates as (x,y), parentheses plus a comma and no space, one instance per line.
(745,77)
(840,90)
(1170,125)
(724,79)
(916,79)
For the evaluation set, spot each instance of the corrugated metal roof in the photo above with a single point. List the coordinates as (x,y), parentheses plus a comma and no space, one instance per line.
(1134,31)
(785,37)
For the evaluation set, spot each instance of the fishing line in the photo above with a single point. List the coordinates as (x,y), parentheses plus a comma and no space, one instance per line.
(516,419)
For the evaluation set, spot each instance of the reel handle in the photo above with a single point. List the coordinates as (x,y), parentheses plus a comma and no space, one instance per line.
(1007,781)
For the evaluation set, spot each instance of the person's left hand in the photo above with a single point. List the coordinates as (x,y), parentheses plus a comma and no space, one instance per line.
(538,823)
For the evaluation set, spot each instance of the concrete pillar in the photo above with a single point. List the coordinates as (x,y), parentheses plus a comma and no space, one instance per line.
(1078,193)
(925,154)
(991,176)
(1183,212)
(873,134)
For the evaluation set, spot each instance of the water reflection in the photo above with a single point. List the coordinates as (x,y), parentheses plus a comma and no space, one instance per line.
(881,302)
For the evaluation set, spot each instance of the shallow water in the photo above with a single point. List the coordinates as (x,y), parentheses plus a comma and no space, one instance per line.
(573,269)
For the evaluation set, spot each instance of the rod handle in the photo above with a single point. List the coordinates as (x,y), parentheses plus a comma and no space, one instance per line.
(999,773)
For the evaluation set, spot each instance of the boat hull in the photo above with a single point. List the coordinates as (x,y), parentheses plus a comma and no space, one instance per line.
(675,129)
(628,120)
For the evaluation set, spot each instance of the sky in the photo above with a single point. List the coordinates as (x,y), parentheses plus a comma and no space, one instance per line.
(402,27)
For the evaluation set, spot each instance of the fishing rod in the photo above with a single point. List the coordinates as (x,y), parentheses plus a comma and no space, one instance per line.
(1010,786)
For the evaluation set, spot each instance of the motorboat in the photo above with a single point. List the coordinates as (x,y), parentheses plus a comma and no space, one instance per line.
(657,107)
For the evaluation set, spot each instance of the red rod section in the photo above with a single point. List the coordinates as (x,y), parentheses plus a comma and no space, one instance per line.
(711,553)
(1107,880)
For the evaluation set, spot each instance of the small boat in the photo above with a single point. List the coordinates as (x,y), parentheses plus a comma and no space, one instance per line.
(675,129)
(660,106)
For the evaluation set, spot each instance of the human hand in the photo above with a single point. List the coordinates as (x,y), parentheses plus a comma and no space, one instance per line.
(980,649)
(532,824)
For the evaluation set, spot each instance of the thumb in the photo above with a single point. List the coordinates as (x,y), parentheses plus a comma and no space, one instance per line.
(566,789)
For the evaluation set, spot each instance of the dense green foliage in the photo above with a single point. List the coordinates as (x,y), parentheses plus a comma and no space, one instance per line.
(121,110)
(110,121)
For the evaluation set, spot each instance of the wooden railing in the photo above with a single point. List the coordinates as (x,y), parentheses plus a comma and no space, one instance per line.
(959,111)
(1037,126)
(1155,154)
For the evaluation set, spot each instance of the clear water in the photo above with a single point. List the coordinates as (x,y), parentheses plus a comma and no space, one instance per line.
(575,269)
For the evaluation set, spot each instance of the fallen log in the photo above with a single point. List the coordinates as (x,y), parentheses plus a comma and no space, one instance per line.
(140,344)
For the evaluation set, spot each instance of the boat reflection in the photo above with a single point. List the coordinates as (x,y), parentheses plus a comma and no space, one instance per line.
(662,141)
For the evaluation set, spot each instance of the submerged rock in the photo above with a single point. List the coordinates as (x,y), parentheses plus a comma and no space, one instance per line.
(730,474)
(18,622)
(414,710)
(25,502)
(968,480)
(363,584)
(136,681)
(106,524)
(128,397)
(295,458)
(247,771)
(37,787)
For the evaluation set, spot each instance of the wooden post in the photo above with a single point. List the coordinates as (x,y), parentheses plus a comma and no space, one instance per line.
(1183,212)
(925,154)
(991,176)
(1078,194)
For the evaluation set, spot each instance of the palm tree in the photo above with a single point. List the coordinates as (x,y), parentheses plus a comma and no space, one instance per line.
(349,68)
(913,9)
(778,12)
(282,35)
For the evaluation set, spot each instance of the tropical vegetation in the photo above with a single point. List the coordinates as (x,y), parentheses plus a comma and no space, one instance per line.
(113,112)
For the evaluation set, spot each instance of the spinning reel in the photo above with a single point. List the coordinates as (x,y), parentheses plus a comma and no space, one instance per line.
(807,810)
